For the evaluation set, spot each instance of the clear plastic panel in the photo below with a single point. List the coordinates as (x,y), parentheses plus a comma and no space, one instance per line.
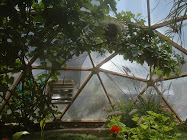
(129,87)
(135,6)
(118,64)
(179,39)
(97,58)
(87,62)
(77,61)
(114,90)
(90,103)
(84,75)
(159,10)
(175,92)
(71,75)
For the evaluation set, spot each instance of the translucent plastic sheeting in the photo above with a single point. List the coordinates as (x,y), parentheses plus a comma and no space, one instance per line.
(179,39)
(134,6)
(97,57)
(71,75)
(90,103)
(118,64)
(84,75)
(38,72)
(77,61)
(175,92)
(159,10)
(115,91)
(87,62)
(128,87)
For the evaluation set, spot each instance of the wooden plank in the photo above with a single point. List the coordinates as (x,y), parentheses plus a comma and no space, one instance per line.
(61,102)
(64,68)
(123,75)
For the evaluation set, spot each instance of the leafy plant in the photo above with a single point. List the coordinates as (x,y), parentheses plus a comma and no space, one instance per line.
(52,31)
(42,125)
(145,103)
(18,135)
(150,126)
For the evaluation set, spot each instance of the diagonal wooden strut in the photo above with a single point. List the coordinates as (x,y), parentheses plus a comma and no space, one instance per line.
(177,46)
(107,59)
(76,95)
(165,23)
(143,90)
(104,89)
(101,79)
(167,103)
(9,93)
(123,75)
(14,86)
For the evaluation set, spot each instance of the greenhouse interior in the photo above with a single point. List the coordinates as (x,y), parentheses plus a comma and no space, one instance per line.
(93,69)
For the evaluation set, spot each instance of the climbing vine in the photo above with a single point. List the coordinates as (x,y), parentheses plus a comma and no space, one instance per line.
(54,31)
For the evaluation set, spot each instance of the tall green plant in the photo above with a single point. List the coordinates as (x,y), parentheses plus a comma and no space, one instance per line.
(150,127)
(145,103)
(42,125)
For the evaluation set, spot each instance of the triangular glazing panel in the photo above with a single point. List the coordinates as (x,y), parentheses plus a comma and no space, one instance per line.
(175,93)
(97,57)
(129,87)
(90,103)
(114,91)
(118,64)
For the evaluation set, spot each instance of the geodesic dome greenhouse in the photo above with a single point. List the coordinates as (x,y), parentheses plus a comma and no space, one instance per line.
(91,81)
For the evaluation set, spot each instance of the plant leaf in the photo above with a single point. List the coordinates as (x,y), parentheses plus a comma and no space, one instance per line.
(17,135)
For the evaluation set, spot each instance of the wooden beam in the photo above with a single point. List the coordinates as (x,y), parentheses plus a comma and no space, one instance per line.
(107,59)
(148,14)
(177,46)
(64,68)
(17,82)
(76,95)
(93,64)
(11,70)
(107,95)
(123,75)
(167,103)
(143,90)
(165,23)
(173,77)
(9,93)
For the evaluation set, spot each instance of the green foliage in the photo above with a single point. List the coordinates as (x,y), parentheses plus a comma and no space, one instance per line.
(144,103)
(18,135)
(63,136)
(150,127)
(142,45)
(42,125)
(69,136)
(52,31)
